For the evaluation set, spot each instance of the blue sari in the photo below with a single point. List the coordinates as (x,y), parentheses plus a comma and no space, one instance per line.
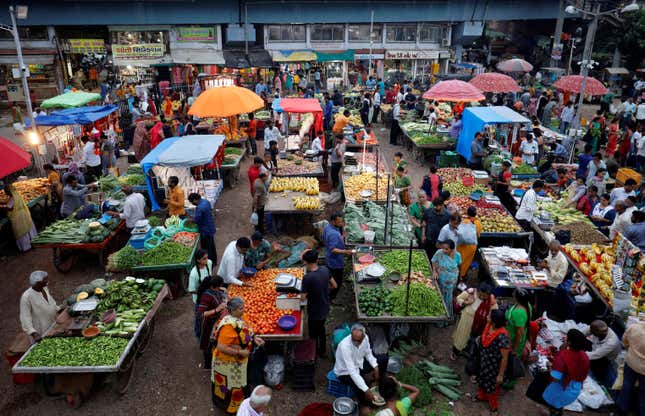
(448,269)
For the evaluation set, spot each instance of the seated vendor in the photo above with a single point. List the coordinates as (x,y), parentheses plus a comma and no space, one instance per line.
(257,256)
(317,147)
(351,353)
(175,199)
(38,308)
(605,347)
(556,263)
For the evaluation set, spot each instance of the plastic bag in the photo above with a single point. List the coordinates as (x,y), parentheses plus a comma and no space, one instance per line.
(467,234)
(254,218)
(274,370)
(592,395)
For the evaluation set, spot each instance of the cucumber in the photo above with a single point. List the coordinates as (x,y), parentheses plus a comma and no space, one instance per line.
(444,381)
(436,374)
(447,391)
(438,368)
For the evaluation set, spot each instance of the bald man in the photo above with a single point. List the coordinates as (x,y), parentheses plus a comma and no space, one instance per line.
(605,348)
(556,263)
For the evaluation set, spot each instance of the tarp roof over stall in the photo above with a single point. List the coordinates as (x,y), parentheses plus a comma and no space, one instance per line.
(80,115)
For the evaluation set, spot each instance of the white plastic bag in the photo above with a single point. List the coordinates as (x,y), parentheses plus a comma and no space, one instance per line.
(274,370)
(254,218)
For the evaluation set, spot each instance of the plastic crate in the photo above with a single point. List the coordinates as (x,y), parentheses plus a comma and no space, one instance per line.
(626,173)
(336,388)
(304,351)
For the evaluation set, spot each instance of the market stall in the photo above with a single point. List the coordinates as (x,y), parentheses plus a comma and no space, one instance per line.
(509,269)
(366,186)
(230,168)
(70,238)
(296,165)
(175,156)
(426,141)
(378,225)
(475,119)
(274,295)
(395,286)
(98,338)
(36,194)
(290,198)
(297,110)
(358,162)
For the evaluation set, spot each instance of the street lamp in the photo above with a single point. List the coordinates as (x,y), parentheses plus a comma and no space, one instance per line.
(586,62)
(20,12)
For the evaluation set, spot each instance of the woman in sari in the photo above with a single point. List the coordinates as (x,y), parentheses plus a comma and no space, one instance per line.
(445,268)
(141,141)
(208,311)
(432,184)
(416,213)
(518,317)
(612,139)
(23,226)
(466,249)
(235,340)
(493,349)
(477,305)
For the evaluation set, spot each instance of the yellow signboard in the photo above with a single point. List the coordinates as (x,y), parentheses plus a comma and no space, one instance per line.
(138,51)
(86,45)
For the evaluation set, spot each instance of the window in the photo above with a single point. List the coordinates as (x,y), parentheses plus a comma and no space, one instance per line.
(361,33)
(429,33)
(328,33)
(135,38)
(401,33)
(287,33)
(27,33)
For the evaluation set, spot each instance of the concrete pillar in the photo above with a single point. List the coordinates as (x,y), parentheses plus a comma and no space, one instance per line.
(557,34)
(459,49)
(58,59)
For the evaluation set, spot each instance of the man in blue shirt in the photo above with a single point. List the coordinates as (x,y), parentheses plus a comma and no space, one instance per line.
(260,88)
(327,112)
(381,88)
(205,224)
(317,82)
(335,250)
(583,161)
(371,84)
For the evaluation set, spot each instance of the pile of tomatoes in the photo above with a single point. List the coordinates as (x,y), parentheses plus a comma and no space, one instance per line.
(260,300)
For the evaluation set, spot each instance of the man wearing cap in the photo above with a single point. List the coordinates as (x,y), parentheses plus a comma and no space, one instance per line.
(38,308)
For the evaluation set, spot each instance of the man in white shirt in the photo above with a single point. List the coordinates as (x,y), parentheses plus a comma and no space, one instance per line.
(528,205)
(376,103)
(316,147)
(640,111)
(257,404)
(133,207)
(450,231)
(271,133)
(38,308)
(396,115)
(400,96)
(556,263)
(623,218)
(605,347)
(567,117)
(233,261)
(350,355)
(529,149)
(621,194)
(91,158)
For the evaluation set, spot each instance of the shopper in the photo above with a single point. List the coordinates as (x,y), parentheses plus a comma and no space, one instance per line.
(254,171)
(416,214)
(234,343)
(623,217)
(621,194)
(605,348)
(476,306)
(432,184)
(366,106)
(271,133)
(603,214)
(502,185)
(333,236)
(634,369)
(519,316)
(403,183)
(395,131)
(433,221)
(566,117)
(205,224)
(203,269)
(337,160)
(232,262)
(636,232)
(468,237)
(91,158)
(529,149)
(450,231)
(251,131)
(257,404)
(19,215)
(208,311)
(445,269)
(316,285)
(493,347)
(260,195)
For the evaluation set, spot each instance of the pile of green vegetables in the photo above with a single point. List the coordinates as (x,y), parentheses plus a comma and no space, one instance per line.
(129,294)
(427,138)
(413,376)
(133,179)
(524,169)
(423,301)
(75,352)
(230,160)
(237,151)
(374,301)
(397,260)
(111,187)
(372,216)
(124,323)
(167,252)
(154,221)
(124,259)
(134,169)
(73,231)
(442,379)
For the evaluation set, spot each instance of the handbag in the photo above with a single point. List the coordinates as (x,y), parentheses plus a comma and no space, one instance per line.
(514,367)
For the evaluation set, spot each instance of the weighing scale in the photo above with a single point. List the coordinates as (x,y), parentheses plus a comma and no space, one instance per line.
(287,283)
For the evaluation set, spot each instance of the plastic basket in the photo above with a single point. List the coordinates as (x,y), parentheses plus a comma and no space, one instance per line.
(336,388)
(468,180)
(188,225)
(152,243)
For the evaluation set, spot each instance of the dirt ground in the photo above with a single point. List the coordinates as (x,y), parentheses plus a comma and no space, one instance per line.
(168,378)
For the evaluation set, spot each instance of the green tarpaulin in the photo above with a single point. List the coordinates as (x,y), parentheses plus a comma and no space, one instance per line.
(335,56)
(71,99)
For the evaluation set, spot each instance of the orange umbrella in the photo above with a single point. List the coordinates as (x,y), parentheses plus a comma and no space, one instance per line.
(225,102)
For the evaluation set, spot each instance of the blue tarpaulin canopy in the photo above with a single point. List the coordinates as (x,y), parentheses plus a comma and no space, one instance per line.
(80,115)
(187,151)
(474,119)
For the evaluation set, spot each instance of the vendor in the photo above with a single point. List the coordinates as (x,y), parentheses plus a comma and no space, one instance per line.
(529,149)
(205,224)
(528,205)
(603,214)
(556,263)
(317,148)
(38,308)
(623,219)
(605,347)
(502,184)
(559,151)
(477,152)
(636,232)
(350,356)
(133,207)
(271,133)
(342,120)
(257,256)
(176,198)
(233,261)
(73,195)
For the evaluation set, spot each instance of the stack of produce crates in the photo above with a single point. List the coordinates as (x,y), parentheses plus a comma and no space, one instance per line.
(448,159)
(303,357)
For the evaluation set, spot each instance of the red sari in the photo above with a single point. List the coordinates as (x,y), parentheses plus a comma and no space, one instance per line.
(625,145)
(612,140)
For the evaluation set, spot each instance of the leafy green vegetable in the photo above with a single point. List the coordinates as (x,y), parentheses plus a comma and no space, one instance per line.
(523,169)
(133,179)
(415,377)
(134,169)
(70,231)
(167,252)
(424,301)
(154,221)
(233,151)
(124,259)
(397,260)
(75,352)
(374,301)
(124,295)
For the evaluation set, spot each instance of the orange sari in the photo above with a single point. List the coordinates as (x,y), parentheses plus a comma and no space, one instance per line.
(468,251)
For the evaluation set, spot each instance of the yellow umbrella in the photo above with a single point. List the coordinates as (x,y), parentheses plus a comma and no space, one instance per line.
(225,102)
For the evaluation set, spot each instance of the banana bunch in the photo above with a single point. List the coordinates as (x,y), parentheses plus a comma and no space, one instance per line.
(306,202)
(307,185)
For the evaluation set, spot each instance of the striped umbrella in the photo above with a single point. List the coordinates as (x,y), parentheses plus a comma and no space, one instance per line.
(495,82)
(454,90)
(515,65)
(573,83)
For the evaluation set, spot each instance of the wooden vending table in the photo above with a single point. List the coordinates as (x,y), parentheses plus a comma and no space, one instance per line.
(422,152)
(231,173)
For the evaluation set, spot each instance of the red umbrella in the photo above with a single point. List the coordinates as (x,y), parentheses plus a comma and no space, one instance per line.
(12,157)
(573,83)
(515,65)
(454,90)
(495,82)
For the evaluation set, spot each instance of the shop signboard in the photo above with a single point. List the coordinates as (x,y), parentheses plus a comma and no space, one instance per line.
(411,54)
(138,51)
(86,45)
(366,56)
(196,34)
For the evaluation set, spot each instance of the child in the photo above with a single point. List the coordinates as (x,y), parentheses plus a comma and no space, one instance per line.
(273,150)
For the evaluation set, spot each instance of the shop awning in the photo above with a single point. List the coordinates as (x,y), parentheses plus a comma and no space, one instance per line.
(300,105)
(80,115)
(197,56)
(294,56)
(28,59)
(71,99)
(235,59)
(260,59)
(617,71)
(328,56)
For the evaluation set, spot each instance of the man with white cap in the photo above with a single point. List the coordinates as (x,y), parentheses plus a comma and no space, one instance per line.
(38,308)
(257,404)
